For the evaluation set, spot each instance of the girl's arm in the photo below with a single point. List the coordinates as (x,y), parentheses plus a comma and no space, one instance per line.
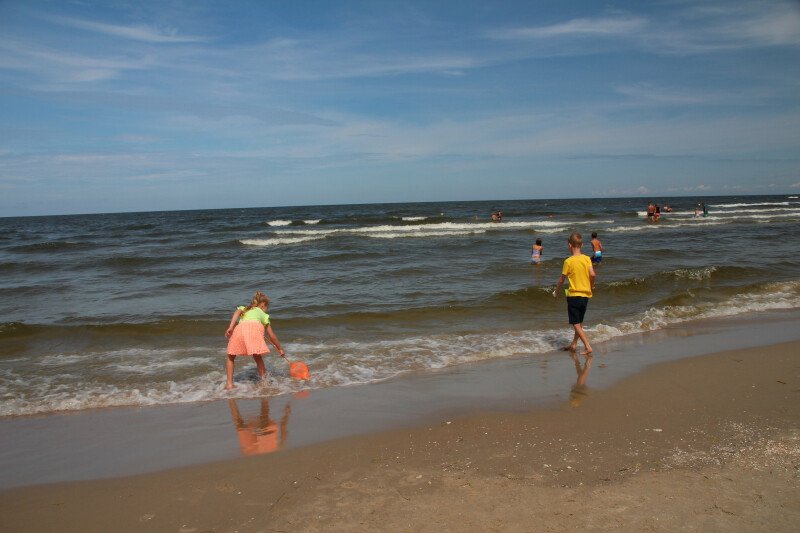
(234,320)
(274,340)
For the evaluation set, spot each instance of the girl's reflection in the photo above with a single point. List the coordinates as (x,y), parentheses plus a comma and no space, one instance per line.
(260,434)
(580,390)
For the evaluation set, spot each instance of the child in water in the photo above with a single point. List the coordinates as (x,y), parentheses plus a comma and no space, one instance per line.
(536,252)
(578,269)
(597,249)
(246,335)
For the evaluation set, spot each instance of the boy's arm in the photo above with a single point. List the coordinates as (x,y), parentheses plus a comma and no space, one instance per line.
(592,277)
(559,285)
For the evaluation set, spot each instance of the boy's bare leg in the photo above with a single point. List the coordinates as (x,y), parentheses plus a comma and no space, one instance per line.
(571,347)
(579,333)
(229,371)
(262,370)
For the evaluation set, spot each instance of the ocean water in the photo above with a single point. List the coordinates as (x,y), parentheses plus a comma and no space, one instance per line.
(130,309)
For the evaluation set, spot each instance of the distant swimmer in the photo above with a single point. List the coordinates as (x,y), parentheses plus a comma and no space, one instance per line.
(536,252)
(698,211)
(667,208)
(597,249)
(657,213)
(497,216)
(651,211)
(246,335)
(705,209)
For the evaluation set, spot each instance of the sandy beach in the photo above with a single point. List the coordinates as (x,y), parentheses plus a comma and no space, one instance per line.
(706,443)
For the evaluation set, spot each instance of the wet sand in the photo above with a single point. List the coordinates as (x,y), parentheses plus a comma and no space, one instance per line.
(704,443)
(117,442)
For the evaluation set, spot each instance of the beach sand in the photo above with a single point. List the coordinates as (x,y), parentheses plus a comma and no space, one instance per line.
(705,443)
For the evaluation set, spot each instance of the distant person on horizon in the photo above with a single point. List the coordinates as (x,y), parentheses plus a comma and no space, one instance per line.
(536,252)
(597,249)
(578,270)
(246,335)
(651,211)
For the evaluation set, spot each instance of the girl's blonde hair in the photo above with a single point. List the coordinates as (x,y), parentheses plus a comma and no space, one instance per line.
(258,299)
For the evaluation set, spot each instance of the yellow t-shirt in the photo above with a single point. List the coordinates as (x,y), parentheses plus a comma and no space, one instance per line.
(577,268)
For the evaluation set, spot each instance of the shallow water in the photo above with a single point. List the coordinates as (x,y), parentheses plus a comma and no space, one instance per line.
(129,309)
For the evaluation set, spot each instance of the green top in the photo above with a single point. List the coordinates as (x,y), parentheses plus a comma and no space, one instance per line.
(254,313)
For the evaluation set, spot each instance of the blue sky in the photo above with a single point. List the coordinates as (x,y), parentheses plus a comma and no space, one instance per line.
(134,105)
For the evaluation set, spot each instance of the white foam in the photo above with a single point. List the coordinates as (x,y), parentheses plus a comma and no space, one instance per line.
(413,219)
(279,222)
(426,234)
(749,204)
(312,222)
(280,241)
(537,225)
(333,363)
(696,274)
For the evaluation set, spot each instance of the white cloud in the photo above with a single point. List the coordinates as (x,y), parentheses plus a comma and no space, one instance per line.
(146,34)
(643,190)
(694,30)
(608,26)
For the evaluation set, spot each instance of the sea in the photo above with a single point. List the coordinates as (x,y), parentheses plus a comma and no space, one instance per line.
(130,309)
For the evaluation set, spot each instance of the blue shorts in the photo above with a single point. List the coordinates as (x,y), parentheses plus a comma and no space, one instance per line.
(576,308)
(597,258)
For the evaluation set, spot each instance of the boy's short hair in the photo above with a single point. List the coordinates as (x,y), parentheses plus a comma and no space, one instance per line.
(575,240)
(539,242)
(594,235)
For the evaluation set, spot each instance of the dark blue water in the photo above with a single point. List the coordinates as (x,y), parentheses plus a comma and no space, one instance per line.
(129,309)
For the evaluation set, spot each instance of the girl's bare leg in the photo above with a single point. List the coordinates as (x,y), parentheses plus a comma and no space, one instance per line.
(262,370)
(229,371)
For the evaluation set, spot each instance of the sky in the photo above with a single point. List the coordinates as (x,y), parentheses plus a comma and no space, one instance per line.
(110,106)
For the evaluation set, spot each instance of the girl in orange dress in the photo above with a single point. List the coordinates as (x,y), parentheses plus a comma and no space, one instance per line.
(246,335)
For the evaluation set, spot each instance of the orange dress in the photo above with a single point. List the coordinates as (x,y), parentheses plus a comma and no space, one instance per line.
(248,335)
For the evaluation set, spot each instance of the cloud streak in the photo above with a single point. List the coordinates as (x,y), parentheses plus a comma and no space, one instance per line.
(146,34)
(592,27)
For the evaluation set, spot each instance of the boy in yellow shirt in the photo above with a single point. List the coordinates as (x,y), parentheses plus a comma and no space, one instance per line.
(578,269)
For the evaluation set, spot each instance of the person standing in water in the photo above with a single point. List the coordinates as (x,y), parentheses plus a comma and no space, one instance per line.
(578,269)
(597,249)
(246,335)
(651,211)
(536,252)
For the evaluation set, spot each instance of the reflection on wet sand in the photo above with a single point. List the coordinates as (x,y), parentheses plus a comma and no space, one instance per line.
(580,390)
(260,434)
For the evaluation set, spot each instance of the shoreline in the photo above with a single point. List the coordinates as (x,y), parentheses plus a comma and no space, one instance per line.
(697,460)
(85,445)
(710,441)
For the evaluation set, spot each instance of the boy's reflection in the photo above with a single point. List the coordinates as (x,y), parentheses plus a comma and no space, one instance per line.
(580,390)
(260,434)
